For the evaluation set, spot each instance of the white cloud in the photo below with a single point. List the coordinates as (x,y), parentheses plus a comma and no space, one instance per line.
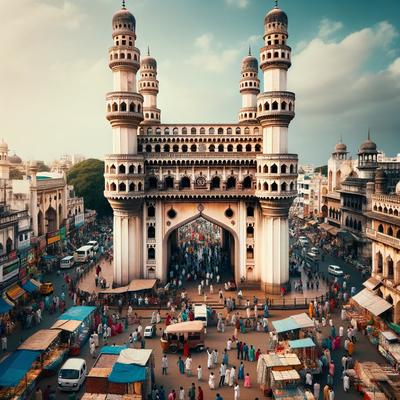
(328,27)
(238,3)
(211,56)
(335,91)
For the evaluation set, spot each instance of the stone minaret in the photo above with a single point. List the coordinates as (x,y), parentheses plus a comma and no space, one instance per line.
(148,87)
(276,169)
(249,89)
(124,179)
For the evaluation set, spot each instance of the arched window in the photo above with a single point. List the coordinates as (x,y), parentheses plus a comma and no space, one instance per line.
(193,148)
(250,211)
(265,186)
(202,131)
(274,169)
(152,182)
(132,107)
(185,183)
(220,148)
(122,187)
(390,231)
(121,169)
(184,131)
(211,131)
(166,148)
(283,169)
(123,106)
(283,105)
(215,183)
(220,131)
(231,182)
(230,147)
(169,182)
(250,253)
(211,148)
(390,269)
(175,148)
(291,169)
(108,108)
(148,148)
(149,130)
(248,147)
(380,228)
(379,262)
(283,187)
(132,187)
(175,131)
(151,253)
(113,169)
(157,148)
(151,211)
(247,183)
(9,245)
(291,186)
(239,148)
(257,147)
(140,186)
(151,232)
(359,226)
(193,131)
(266,106)
(113,187)
(274,187)
(238,131)
(184,148)
(250,231)
(115,107)
(275,105)
(265,169)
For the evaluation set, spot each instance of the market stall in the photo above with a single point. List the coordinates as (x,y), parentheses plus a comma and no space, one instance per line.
(305,349)
(31,286)
(389,347)
(5,306)
(293,327)
(285,386)
(18,374)
(47,341)
(76,323)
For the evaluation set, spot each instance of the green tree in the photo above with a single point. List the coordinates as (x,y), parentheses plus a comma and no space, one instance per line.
(88,180)
(323,169)
(16,174)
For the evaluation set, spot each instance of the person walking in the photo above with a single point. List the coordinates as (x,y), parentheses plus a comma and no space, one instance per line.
(232,376)
(181,365)
(192,392)
(346,383)
(317,389)
(211,381)
(38,394)
(188,365)
(199,373)
(326,392)
(210,359)
(164,364)
(247,383)
(200,394)
(236,391)
(241,371)
(222,372)
(172,395)
(181,393)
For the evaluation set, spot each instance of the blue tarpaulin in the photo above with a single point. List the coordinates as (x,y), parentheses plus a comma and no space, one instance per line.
(301,343)
(127,373)
(77,313)
(4,306)
(15,366)
(285,325)
(30,287)
(112,349)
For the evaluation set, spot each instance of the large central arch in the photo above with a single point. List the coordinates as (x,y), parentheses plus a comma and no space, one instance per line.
(235,258)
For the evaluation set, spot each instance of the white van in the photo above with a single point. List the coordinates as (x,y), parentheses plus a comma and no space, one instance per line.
(94,244)
(335,270)
(83,253)
(200,313)
(72,375)
(67,262)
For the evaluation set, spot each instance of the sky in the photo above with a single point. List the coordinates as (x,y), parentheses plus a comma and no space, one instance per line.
(54,73)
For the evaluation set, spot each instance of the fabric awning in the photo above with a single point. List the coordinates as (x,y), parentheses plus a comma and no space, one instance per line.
(290,375)
(66,325)
(280,360)
(127,373)
(30,286)
(182,327)
(135,356)
(303,320)
(118,290)
(333,230)
(285,325)
(15,292)
(78,313)
(112,349)
(372,283)
(5,306)
(301,343)
(141,284)
(373,303)
(40,340)
(15,366)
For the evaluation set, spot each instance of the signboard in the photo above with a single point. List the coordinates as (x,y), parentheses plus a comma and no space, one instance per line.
(79,220)
(53,237)
(10,270)
(63,233)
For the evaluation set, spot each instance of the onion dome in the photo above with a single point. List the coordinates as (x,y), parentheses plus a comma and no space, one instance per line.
(368,146)
(123,20)
(148,61)
(14,159)
(250,63)
(341,148)
(276,15)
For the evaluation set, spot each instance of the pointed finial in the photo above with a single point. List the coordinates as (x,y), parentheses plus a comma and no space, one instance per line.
(249,50)
(123,4)
(369,133)
(276,4)
(148,50)
(341,139)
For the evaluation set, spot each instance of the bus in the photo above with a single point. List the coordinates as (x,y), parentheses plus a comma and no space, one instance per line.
(83,253)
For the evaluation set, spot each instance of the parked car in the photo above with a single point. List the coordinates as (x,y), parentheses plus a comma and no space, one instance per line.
(150,331)
(335,270)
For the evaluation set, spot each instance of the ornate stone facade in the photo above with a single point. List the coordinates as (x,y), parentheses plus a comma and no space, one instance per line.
(238,176)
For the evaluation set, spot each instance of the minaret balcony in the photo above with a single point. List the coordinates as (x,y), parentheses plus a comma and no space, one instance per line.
(275,56)
(124,106)
(276,105)
(124,56)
